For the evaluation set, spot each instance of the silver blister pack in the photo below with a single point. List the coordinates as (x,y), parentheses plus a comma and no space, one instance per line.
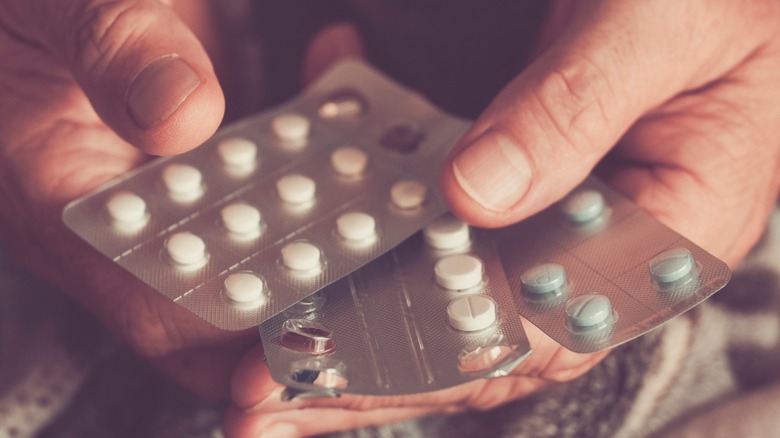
(433,313)
(594,271)
(278,205)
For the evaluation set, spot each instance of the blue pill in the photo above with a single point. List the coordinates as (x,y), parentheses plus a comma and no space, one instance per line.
(543,279)
(588,310)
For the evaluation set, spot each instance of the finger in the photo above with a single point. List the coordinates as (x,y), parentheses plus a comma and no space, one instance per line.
(314,421)
(145,73)
(251,383)
(547,129)
(331,44)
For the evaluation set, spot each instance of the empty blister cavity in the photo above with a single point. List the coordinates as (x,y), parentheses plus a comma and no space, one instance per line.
(446,232)
(544,282)
(349,161)
(343,104)
(291,127)
(485,359)
(673,269)
(308,305)
(183,182)
(237,152)
(408,194)
(296,189)
(246,288)
(185,248)
(583,206)
(589,312)
(307,336)
(356,226)
(403,138)
(301,256)
(126,207)
(240,218)
(315,377)
(459,272)
(471,313)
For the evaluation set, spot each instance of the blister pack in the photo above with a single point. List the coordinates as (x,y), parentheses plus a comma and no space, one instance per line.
(433,313)
(595,271)
(277,206)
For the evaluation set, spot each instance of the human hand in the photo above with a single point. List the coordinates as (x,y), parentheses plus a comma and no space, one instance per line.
(678,103)
(83,86)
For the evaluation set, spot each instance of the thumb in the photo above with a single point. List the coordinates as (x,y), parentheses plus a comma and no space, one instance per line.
(547,129)
(146,75)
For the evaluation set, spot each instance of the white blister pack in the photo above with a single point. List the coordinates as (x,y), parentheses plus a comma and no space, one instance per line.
(595,271)
(277,206)
(433,313)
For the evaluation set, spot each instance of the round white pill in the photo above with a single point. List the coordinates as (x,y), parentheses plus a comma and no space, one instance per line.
(182,179)
(583,206)
(458,272)
(356,226)
(408,194)
(126,206)
(349,161)
(446,232)
(301,256)
(185,248)
(244,287)
(237,151)
(290,126)
(588,311)
(543,279)
(671,265)
(240,218)
(296,189)
(471,313)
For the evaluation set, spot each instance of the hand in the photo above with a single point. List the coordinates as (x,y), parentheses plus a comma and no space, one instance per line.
(83,84)
(678,104)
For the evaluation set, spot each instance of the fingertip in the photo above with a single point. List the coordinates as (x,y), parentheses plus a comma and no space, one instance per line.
(251,382)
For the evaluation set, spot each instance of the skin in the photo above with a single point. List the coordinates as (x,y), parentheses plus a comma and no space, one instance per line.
(673,103)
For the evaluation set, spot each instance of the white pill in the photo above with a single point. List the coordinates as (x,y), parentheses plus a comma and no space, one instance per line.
(244,287)
(126,206)
(349,161)
(301,256)
(237,151)
(290,126)
(356,226)
(471,313)
(182,179)
(458,272)
(408,194)
(240,218)
(185,248)
(446,232)
(296,189)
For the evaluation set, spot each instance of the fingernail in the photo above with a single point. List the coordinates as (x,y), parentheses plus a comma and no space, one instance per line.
(159,90)
(494,172)
(281,430)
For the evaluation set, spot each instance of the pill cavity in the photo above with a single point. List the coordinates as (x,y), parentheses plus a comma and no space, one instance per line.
(290,127)
(126,207)
(344,104)
(589,311)
(245,287)
(349,161)
(458,272)
(446,232)
(583,206)
(408,194)
(356,226)
(301,256)
(307,336)
(237,152)
(240,218)
(471,313)
(296,189)
(671,266)
(403,138)
(185,248)
(182,180)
